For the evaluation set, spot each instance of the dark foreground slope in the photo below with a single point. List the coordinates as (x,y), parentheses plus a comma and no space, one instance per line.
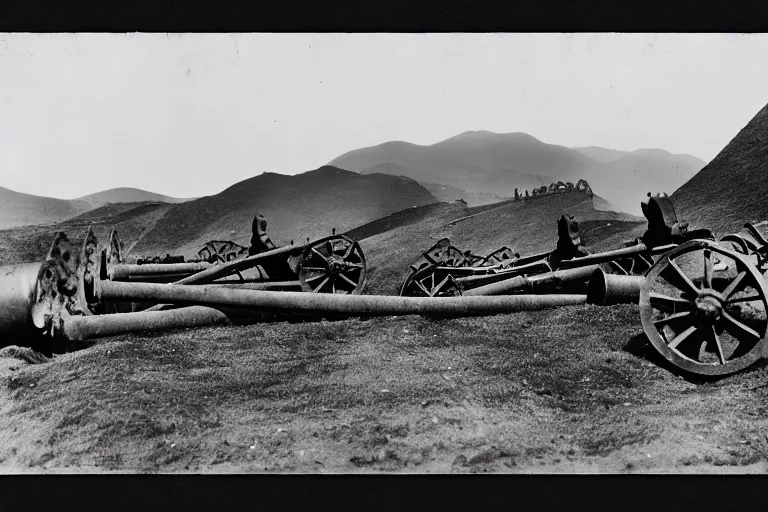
(307,205)
(733,188)
(528,227)
(31,243)
(19,209)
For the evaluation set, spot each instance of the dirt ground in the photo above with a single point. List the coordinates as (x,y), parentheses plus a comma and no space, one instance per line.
(574,389)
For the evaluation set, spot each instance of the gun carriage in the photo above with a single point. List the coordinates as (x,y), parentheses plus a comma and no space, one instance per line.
(444,270)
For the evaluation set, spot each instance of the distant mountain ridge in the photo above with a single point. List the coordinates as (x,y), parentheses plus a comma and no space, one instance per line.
(306,205)
(20,209)
(487,162)
(127,195)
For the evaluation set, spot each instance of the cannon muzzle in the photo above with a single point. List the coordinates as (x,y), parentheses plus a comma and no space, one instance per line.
(606,289)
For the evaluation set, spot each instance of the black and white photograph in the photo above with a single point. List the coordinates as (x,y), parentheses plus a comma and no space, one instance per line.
(383,253)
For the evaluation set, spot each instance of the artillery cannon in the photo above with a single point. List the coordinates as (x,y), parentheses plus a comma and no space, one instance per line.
(444,270)
(334,264)
(63,300)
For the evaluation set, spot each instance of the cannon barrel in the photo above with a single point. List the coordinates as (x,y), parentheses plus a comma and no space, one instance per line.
(534,284)
(313,303)
(125,271)
(18,287)
(606,289)
(218,271)
(608,256)
(77,328)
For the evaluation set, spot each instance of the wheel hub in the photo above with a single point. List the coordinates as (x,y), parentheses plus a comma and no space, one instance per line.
(335,264)
(709,306)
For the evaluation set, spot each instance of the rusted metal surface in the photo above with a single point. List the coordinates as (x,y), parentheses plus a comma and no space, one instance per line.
(703,307)
(540,283)
(18,290)
(78,328)
(135,272)
(609,289)
(361,305)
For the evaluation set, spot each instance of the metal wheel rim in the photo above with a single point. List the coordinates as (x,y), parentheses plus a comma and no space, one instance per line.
(653,324)
(318,260)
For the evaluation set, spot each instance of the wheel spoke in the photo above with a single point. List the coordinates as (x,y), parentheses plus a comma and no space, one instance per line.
(314,269)
(353,265)
(734,284)
(319,254)
(321,284)
(740,326)
(748,298)
(681,337)
(692,287)
(418,283)
(716,338)
(657,299)
(670,318)
(618,265)
(708,268)
(354,284)
(349,251)
(440,286)
(313,278)
(331,248)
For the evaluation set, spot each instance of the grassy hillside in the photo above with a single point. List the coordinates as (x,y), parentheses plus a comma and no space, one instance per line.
(127,195)
(31,243)
(296,207)
(571,390)
(733,187)
(19,209)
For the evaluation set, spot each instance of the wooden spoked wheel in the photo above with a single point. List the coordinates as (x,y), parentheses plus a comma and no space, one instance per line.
(429,282)
(634,266)
(333,265)
(503,256)
(703,307)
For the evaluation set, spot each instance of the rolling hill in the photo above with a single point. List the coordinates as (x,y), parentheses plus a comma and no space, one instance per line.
(19,209)
(307,205)
(31,243)
(447,194)
(732,188)
(599,154)
(486,162)
(127,195)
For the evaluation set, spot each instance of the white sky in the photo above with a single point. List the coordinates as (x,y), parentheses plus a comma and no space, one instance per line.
(189,115)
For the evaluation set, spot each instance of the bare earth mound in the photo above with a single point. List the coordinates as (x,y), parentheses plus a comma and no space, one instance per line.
(732,189)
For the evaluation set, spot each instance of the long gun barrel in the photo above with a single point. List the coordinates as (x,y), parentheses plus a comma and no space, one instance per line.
(534,284)
(330,304)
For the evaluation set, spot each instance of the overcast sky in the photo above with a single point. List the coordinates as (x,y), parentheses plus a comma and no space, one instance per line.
(189,115)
